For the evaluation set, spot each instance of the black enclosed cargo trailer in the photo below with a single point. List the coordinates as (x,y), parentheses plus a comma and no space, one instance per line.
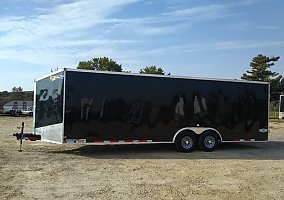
(92,107)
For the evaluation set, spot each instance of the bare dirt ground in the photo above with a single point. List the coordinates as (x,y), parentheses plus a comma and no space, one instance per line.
(51,171)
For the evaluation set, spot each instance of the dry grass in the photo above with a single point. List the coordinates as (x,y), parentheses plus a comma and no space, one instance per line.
(49,171)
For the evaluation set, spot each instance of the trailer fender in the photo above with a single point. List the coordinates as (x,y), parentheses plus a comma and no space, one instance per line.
(197,131)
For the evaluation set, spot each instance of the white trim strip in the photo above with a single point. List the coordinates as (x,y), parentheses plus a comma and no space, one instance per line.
(76,141)
(243,140)
(50,141)
(109,142)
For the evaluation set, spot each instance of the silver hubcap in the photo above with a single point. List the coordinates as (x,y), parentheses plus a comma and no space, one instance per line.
(186,142)
(209,141)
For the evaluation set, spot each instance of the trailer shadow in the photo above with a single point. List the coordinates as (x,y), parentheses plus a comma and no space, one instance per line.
(273,150)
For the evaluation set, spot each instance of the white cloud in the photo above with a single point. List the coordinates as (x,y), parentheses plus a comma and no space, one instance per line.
(268,27)
(199,11)
(242,25)
(214,46)
(208,11)
(60,20)
(57,33)
(68,32)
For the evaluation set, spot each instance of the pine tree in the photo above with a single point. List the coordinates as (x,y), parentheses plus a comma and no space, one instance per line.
(260,69)
(260,72)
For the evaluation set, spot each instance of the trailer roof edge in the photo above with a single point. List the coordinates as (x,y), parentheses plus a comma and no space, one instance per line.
(166,76)
(148,75)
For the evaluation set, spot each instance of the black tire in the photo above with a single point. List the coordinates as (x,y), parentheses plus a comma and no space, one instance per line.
(186,141)
(208,141)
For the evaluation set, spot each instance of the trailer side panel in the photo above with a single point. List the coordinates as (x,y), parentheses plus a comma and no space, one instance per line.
(102,106)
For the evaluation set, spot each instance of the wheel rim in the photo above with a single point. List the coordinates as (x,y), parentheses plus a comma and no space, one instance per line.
(209,141)
(187,142)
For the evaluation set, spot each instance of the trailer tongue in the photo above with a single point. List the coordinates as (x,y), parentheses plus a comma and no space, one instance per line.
(25,136)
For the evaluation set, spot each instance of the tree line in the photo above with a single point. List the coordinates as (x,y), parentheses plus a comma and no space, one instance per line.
(106,64)
(17,93)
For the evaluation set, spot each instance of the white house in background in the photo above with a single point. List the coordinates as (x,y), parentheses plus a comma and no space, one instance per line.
(18,107)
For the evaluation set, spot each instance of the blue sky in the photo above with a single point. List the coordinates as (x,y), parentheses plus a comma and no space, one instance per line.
(204,38)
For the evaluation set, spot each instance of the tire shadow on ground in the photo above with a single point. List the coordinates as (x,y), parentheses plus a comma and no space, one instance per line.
(273,150)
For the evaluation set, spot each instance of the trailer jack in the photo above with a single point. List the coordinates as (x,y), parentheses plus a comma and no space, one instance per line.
(25,136)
